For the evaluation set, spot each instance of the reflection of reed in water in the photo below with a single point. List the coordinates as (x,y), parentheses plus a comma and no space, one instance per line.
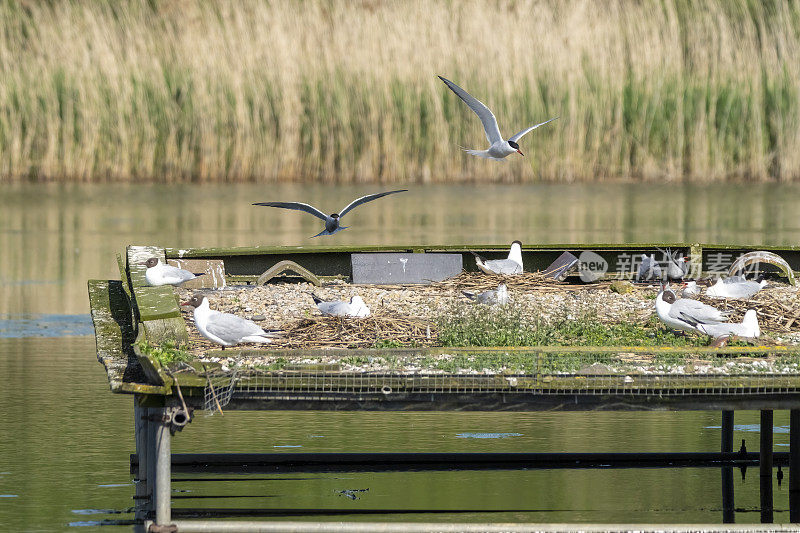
(347,92)
(53,237)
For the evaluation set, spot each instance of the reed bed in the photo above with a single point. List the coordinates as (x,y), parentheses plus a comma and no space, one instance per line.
(336,91)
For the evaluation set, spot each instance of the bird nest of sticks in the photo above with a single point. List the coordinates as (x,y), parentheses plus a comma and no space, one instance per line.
(369,332)
(480,281)
(773,314)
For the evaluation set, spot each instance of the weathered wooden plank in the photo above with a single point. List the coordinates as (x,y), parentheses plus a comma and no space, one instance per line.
(252,261)
(213,271)
(220,252)
(114,333)
(157,303)
(166,330)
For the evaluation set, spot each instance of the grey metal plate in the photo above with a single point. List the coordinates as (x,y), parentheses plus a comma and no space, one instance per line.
(404,268)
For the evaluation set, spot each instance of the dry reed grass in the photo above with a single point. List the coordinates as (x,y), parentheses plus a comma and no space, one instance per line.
(342,91)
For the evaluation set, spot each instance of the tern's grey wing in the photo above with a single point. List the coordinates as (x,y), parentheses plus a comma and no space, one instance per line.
(231,328)
(519,135)
(695,310)
(734,279)
(503,266)
(484,113)
(297,206)
(365,199)
(335,308)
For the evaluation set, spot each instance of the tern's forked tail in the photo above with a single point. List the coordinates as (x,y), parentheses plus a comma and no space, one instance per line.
(481,153)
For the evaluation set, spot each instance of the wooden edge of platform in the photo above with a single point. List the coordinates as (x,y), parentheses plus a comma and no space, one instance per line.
(180,253)
(332,526)
(112,320)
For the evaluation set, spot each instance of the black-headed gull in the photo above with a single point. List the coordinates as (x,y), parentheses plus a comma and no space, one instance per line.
(158,273)
(331,221)
(512,265)
(499,148)
(649,269)
(224,328)
(748,328)
(354,308)
(735,287)
(497,296)
(685,314)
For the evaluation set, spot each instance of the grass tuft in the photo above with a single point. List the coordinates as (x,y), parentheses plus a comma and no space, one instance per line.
(165,353)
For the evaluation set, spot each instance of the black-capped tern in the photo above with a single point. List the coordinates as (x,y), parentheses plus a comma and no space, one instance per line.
(511,265)
(499,148)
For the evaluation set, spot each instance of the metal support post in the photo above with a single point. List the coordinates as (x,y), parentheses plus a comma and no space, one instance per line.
(163,467)
(728,512)
(142,493)
(765,464)
(794,465)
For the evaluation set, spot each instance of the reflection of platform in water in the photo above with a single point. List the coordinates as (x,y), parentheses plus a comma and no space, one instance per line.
(513,379)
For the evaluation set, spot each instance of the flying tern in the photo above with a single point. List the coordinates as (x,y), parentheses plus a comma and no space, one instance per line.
(499,148)
(512,265)
(497,296)
(331,221)
(354,308)
(224,328)
(158,273)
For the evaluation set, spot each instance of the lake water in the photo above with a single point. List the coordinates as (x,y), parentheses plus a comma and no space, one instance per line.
(65,440)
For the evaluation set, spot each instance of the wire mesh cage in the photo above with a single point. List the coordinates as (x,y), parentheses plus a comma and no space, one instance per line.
(542,371)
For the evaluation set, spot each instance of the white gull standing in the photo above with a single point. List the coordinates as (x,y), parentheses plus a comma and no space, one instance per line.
(499,148)
(224,328)
(511,265)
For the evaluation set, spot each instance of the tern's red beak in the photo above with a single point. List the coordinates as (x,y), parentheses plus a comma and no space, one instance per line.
(520,153)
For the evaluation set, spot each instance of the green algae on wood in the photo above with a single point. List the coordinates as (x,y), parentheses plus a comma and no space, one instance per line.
(114,334)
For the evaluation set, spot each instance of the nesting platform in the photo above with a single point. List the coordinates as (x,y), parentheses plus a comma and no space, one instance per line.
(134,323)
(130,316)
